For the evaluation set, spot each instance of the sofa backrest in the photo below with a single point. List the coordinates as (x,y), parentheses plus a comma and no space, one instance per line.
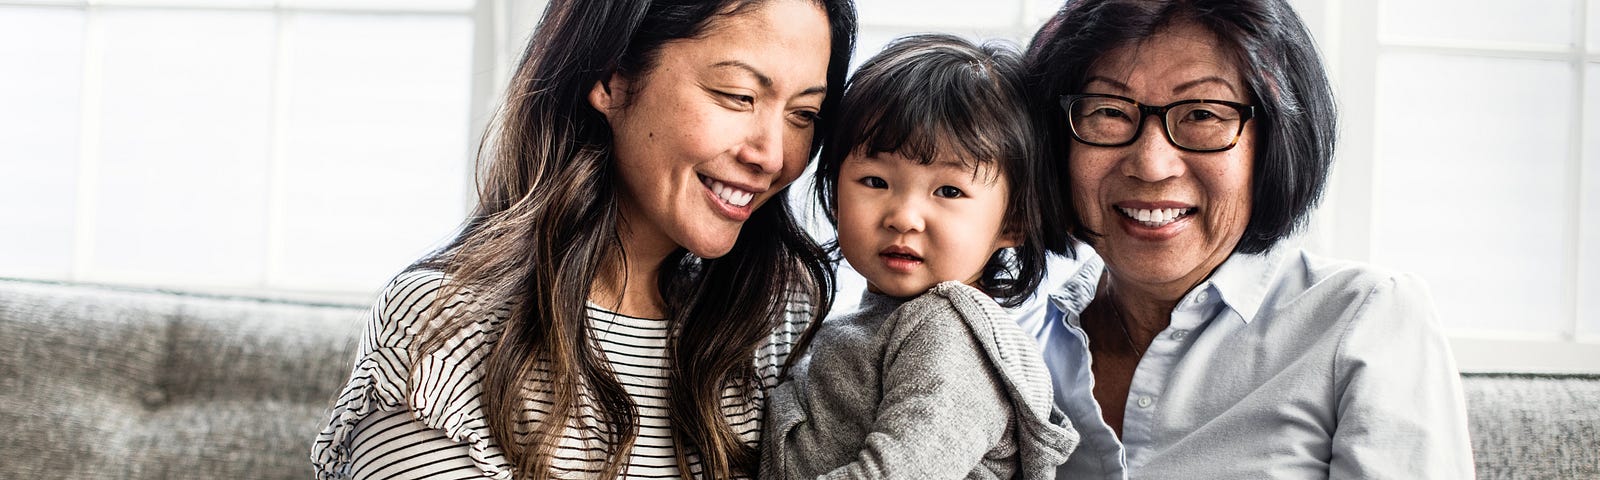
(101,382)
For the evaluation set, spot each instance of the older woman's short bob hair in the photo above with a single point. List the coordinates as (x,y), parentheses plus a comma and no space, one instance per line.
(1296,129)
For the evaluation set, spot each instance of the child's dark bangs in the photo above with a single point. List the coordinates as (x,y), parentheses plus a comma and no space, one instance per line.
(934,122)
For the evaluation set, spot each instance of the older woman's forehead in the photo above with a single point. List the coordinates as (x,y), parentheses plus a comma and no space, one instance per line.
(1178,60)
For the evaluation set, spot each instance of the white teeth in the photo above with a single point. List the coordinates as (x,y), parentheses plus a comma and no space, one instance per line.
(733,196)
(1156,217)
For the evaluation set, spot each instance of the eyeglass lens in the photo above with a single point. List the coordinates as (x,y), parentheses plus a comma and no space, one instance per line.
(1112,121)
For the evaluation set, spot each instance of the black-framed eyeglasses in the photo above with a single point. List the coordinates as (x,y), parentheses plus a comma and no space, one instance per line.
(1196,125)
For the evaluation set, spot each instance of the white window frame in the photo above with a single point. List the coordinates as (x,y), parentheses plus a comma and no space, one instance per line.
(487,16)
(1347,31)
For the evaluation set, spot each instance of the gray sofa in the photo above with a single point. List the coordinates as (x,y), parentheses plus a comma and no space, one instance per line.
(99,382)
(114,383)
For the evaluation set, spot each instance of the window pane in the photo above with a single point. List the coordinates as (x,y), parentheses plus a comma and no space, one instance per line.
(1039,11)
(376,151)
(926,14)
(1471,186)
(189,3)
(428,5)
(1594,26)
(1589,239)
(870,41)
(1547,22)
(181,181)
(39,123)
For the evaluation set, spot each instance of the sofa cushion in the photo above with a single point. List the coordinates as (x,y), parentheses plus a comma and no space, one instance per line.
(100,382)
(1533,425)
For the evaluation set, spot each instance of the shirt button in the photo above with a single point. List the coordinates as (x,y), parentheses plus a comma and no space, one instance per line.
(1180,334)
(1144,402)
(1201,298)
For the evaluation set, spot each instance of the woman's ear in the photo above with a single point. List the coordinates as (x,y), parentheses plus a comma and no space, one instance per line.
(608,94)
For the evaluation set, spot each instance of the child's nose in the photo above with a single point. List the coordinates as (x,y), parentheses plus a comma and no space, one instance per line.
(903,218)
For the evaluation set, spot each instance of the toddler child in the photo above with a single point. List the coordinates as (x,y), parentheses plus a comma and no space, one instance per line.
(928,179)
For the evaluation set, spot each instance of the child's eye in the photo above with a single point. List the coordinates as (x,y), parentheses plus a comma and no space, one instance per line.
(948,192)
(874,182)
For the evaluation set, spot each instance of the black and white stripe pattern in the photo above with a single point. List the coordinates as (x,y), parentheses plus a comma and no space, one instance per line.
(389,424)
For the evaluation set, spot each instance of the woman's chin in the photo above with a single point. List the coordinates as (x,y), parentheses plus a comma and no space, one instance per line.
(711,247)
(1151,268)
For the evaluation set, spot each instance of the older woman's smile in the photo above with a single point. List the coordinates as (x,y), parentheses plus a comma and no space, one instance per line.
(1156,217)
(1153,221)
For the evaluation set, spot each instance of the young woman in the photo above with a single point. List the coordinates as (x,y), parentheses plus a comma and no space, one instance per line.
(631,259)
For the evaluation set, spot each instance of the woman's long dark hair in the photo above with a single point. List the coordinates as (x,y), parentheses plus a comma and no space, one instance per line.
(546,225)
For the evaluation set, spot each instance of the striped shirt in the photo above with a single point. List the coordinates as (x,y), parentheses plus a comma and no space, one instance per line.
(391,423)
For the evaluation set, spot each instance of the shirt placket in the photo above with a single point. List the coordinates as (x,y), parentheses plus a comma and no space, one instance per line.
(1150,377)
(1098,439)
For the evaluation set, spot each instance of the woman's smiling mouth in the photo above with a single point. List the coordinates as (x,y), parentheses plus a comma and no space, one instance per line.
(727,193)
(1156,217)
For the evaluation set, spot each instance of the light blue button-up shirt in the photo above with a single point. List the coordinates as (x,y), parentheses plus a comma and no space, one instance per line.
(1280,365)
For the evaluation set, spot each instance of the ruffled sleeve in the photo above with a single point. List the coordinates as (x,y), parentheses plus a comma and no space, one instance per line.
(442,391)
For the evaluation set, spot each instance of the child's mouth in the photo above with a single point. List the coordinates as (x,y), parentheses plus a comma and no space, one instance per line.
(900,258)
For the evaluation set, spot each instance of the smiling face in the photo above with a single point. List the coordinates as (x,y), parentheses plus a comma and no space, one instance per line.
(716,127)
(1168,217)
(906,227)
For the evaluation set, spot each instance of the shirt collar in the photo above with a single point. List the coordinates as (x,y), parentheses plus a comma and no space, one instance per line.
(1078,290)
(1242,283)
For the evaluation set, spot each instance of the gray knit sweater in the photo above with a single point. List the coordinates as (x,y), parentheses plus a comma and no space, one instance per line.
(945,385)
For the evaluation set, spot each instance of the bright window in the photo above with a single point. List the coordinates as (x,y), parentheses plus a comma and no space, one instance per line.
(1469,152)
(298,145)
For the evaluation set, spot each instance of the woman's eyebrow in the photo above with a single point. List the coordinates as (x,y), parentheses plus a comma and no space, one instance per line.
(1204,80)
(1178,89)
(762,78)
(1113,83)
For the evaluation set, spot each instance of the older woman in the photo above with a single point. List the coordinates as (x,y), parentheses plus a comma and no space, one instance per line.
(1193,137)
(631,282)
